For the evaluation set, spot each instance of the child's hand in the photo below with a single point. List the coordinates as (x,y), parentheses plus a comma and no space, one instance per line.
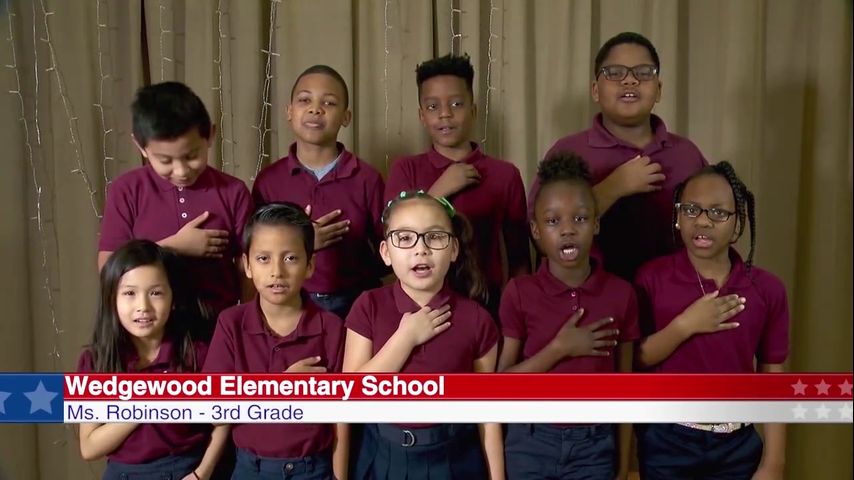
(638,175)
(198,242)
(575,341)
(709,314)
(325,233)
(419,327)
(455,178)
(306,365)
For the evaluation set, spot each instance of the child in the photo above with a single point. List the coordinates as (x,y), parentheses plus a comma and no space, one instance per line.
(281,331)
(144,324)
(176,200)
(340,192)
(635,162)
(488,191)
(704,310)
(602,311)
(427,321)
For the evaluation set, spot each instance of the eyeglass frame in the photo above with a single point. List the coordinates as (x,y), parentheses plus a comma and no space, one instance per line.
(602,69)
(679,206)
(418,236)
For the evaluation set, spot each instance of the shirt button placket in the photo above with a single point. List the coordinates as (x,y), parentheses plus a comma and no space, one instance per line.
(182,200)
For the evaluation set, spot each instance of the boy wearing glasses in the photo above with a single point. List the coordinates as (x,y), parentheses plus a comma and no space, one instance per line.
(634,161)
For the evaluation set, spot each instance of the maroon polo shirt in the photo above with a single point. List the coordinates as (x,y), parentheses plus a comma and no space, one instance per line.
(355,188)
(535,307)
(153,441)
(495,207)
(243,343)
(668,285)
(143,205)
(636,228)
(377,313)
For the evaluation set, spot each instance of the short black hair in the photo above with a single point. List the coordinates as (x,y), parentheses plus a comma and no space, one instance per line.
(450,64)
(620,39)
(284,214)
(167,110)
(325,70)
(563,167)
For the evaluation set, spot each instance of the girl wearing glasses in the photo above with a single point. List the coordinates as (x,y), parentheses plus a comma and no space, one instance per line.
(705,310)
(428,321)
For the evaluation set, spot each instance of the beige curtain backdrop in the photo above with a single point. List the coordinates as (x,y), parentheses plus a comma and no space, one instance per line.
(764,84)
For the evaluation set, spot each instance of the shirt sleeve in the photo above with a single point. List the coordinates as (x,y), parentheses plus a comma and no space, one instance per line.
(629,327)
(646,315)
(86,362)
(515,228)
(774,343)
(487,334)
(399,180)
(359,318)
(117,223)
(244,207)
(510,312)
(335,334)
(259,192)
(375,225)
(221,353)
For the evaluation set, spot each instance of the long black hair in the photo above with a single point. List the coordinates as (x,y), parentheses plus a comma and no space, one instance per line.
(745,204)
(187,320)
(464,275)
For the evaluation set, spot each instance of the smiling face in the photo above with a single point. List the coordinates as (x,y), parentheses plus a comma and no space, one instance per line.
(447,111)
(565,223)
(704,238)
(626,102)
(278,264)
(317,110)
(144,301)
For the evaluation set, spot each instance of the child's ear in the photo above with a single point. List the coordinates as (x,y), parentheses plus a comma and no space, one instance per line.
(384,253)
(658,94)
(535,230)
(309,269)
(596,225)
(455,249)
(138,146)
(348,115)
(594,92)
(246,270)
(288,113)
(212,134)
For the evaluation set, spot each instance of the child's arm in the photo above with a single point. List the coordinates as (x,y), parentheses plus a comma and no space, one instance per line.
(219,438)
(772,465)
(624,431)
(570,341)
(638,175)
(414,329)
(490,433)
(455,178)
(194,241)
(341,451)
(515,229)
(99,439)
(708,314)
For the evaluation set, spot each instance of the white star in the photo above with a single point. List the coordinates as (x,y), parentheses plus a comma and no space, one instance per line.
(3,397)
(823,388)
(800,387)
(845,387)
(822,411)
(799,411)
(40,399)
(846,411)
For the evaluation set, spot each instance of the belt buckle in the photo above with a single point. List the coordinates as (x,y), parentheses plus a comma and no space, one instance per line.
(408,439)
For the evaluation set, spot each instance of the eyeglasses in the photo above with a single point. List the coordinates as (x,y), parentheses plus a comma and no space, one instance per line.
(406,239)
(616,73)
(693,211)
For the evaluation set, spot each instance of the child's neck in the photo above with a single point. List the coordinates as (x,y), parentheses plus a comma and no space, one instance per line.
(457,153)
(147,350)
(572,277)
(716,268)
(282,319)
(421,297)
(638,135)
(316,156)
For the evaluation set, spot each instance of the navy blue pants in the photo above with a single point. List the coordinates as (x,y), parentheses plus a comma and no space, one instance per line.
(338,303)
(444,452)
(252,467)
(551,452)
(166,468)
(675,452)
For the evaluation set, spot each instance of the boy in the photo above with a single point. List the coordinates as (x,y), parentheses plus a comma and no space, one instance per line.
(488,191)
(635,162)
(175,199)
(341,193)
(281,331)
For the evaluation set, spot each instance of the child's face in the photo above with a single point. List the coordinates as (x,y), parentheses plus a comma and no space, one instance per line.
(703,237)
(626,102)
(179,160)
(144,301)
(419,268)
(447,111)
(317,111)
(278,264)
(564,223)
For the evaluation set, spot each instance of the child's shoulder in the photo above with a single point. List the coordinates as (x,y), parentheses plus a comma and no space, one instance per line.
(769,284)
(656,267)
(367,170)
(226,181)
(500,166)
(132,179)
(232,317)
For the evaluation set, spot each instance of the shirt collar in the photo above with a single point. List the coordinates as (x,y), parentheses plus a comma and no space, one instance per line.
(405,303)
(686,273)
(553,286)
(599,137)
(309,324)
(164,357)
(440,161)
(346,166)
(202,183)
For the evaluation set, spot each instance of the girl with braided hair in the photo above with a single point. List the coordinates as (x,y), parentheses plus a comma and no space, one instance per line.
(705,310)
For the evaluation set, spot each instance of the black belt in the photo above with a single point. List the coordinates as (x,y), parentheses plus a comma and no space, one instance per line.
(410,437)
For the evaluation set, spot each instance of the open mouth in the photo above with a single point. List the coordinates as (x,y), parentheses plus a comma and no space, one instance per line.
(629,96)
(422,270)
(569,252)
(277,288)
(702,241)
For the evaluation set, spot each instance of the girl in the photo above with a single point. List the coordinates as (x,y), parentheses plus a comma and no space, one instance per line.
(705,310)
(427,321)
(567,318)
(144,325)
